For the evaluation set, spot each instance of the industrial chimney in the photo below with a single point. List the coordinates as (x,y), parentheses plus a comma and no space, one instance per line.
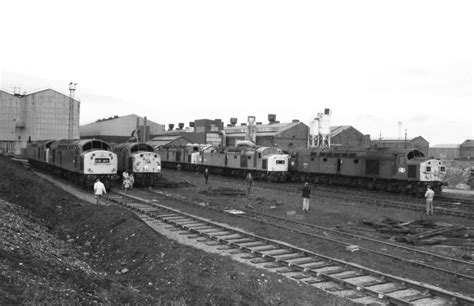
(233,121)
(171,126)
(181,125)
(271,118)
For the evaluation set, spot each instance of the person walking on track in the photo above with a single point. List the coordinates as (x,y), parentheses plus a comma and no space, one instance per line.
(99,190)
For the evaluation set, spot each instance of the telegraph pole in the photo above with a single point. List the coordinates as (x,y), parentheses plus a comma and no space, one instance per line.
(72,89)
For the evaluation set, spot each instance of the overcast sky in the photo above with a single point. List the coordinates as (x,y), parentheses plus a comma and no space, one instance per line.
(373,63)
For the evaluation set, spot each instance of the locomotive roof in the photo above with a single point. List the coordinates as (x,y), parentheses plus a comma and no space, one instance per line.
(134,146)
(81,144)
(371,152)
(42,142)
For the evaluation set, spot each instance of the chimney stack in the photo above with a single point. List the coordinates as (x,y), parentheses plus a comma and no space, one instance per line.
(271,118)
(233,121)
(171,126)
(181,125)
(191,123)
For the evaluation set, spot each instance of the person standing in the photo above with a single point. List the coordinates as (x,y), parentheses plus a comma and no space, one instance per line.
(429,195)
(306,195)
(249,182)
(178,167)
(99,190)
(131,178)
(206,175)
(125,180)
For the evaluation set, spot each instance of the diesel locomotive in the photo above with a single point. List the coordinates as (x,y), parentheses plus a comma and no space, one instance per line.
(263,162)
(78,160)
(140,159)
(404,170)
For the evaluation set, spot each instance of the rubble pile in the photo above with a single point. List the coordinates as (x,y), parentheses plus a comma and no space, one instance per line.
(223,191)
(37,267)
(458,174)
(424,232)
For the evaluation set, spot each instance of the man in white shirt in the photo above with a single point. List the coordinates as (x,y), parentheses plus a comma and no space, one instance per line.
(429,195)
(99,189)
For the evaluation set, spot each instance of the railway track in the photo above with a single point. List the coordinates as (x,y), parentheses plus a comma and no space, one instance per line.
(461,269)
(340,277)
(452,206)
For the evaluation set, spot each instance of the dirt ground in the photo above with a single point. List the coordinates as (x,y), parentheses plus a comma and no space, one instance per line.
(56,248)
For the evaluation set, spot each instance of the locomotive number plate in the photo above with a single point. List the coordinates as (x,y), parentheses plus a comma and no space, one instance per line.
(102,160)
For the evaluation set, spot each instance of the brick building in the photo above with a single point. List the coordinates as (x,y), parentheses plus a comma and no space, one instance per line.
(466,150)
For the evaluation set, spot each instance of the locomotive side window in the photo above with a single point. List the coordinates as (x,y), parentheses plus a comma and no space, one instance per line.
(280,162)
(443,169)
(428,169)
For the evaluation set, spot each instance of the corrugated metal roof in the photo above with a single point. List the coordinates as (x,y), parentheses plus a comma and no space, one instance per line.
(36,91)
(468,143)
(335,130)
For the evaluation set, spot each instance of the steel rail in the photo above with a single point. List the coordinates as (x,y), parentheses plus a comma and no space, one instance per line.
(401,291)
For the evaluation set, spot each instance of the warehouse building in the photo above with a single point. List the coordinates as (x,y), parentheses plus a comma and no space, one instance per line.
(466,150)
(445,151)
(44,114)
(348,136)
(418,142)
(287,136)
(120,129)
(199,131)
(161,141)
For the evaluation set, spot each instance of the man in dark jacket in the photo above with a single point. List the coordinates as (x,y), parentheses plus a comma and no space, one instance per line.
(306,195)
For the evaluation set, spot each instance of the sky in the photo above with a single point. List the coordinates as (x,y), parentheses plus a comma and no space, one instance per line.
(373,63)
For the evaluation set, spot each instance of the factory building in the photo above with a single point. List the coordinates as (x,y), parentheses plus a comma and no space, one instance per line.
(445,151)
(161,141)
(120,129)
(288,136)
(44,114)
(199,131)
(348,136)
(418,142)
(466,150)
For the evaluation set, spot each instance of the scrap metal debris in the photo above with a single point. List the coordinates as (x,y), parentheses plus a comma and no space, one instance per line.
(424,232)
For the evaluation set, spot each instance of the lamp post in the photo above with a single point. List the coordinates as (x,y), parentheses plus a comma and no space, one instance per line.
(72,89)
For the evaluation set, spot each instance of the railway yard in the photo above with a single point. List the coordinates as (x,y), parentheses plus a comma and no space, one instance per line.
(186,243)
